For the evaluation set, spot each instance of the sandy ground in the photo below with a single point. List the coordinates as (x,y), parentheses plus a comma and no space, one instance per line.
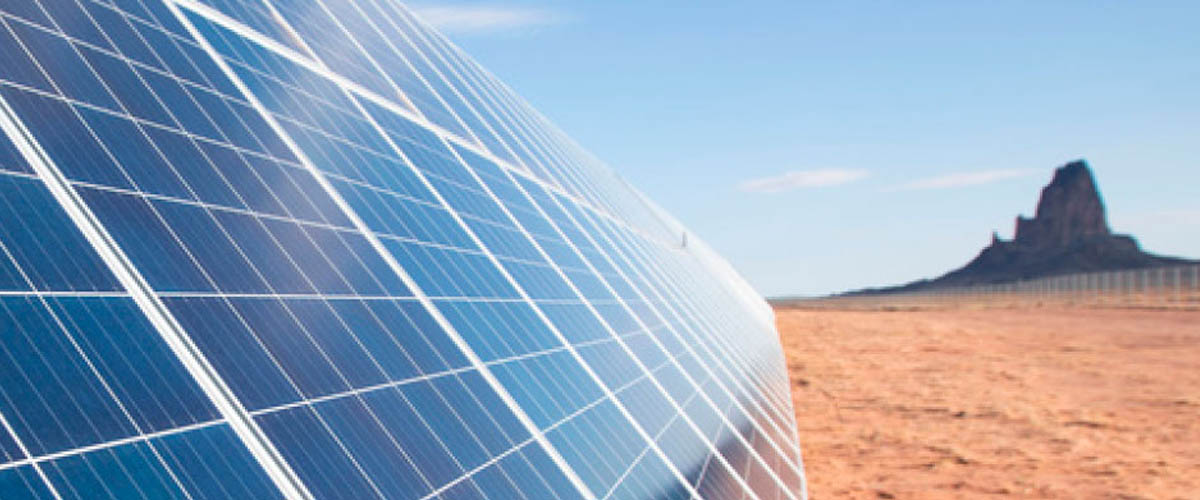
(1028,403)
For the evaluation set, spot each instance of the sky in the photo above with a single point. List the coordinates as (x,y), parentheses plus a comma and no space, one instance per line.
(828,146)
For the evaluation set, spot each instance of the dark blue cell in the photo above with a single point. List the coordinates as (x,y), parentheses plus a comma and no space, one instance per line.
(24,483)
(336,341)
(234,351)
(15,64)
(121,33)
(147,167)
(127,471)
(197,171)
(359,265)
(252,189)
(11,159)
(212,247)
(185,110)
(43,241)
(10,276)
(315,454)
(153,248)
(10,450)
(59,59)
(52,398)
(213,464)
(133,94)
(250,238)
(73,20)
(140,368)
(376,451)
(386,350)
(302,250)
(66,138)
(410,427)
(452,428)
(292,346)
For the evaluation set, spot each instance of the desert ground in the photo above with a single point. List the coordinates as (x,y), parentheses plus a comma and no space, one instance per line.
(1028,402)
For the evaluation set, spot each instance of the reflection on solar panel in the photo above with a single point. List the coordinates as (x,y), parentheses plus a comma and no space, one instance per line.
(309,249)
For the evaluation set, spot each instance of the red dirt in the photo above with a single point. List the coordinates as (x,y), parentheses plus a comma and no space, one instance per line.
(1029,403)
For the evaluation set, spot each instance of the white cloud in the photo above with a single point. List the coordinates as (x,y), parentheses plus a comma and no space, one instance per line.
(797,179)
(961,179)
(475,19)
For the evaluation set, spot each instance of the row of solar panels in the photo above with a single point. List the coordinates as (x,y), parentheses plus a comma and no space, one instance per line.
(307,248)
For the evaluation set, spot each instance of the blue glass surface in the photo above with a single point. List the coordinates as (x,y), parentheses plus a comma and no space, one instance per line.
(332,224)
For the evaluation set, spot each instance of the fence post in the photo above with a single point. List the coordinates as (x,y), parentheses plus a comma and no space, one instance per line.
(1145,284)
(1178,285)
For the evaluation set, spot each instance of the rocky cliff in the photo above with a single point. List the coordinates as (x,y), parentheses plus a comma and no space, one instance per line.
(1069,233)
(1068,210)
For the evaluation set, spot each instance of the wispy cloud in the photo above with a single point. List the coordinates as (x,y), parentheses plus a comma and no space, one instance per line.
(798,179)
(480,19)
(961,179)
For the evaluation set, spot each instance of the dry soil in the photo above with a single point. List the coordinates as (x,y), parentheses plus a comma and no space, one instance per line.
(975,403)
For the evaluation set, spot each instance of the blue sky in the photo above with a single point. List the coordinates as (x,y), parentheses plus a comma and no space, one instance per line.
(825,146)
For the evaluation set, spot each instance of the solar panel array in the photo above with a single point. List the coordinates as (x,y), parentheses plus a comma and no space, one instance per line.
(309,249)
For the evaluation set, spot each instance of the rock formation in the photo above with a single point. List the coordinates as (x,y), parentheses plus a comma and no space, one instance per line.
(1069,233)
(1068,210)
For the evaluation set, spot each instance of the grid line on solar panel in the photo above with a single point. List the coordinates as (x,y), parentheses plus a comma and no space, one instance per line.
(140,65)
(533,151)
(69,200)
(374,98)
(799,479)
(548,322)
(681,303)
(217,207)
(660,430)
(377,244)
(47,457)
(64,314)
(683,371)
(60,323)
(358,48)
(437,111)
(700,478)
(500,146)
(549,152)
(422,34)
(434,375)
(372,187)
(109,390)
(132,62)
(496,142)
(569,417)
(714,362)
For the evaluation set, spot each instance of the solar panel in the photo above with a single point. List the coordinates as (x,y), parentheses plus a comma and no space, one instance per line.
(310,249)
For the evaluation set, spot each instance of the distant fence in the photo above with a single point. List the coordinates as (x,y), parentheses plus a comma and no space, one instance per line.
(1162,287)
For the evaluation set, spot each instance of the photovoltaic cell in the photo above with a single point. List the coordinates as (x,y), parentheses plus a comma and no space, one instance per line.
(310,249)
